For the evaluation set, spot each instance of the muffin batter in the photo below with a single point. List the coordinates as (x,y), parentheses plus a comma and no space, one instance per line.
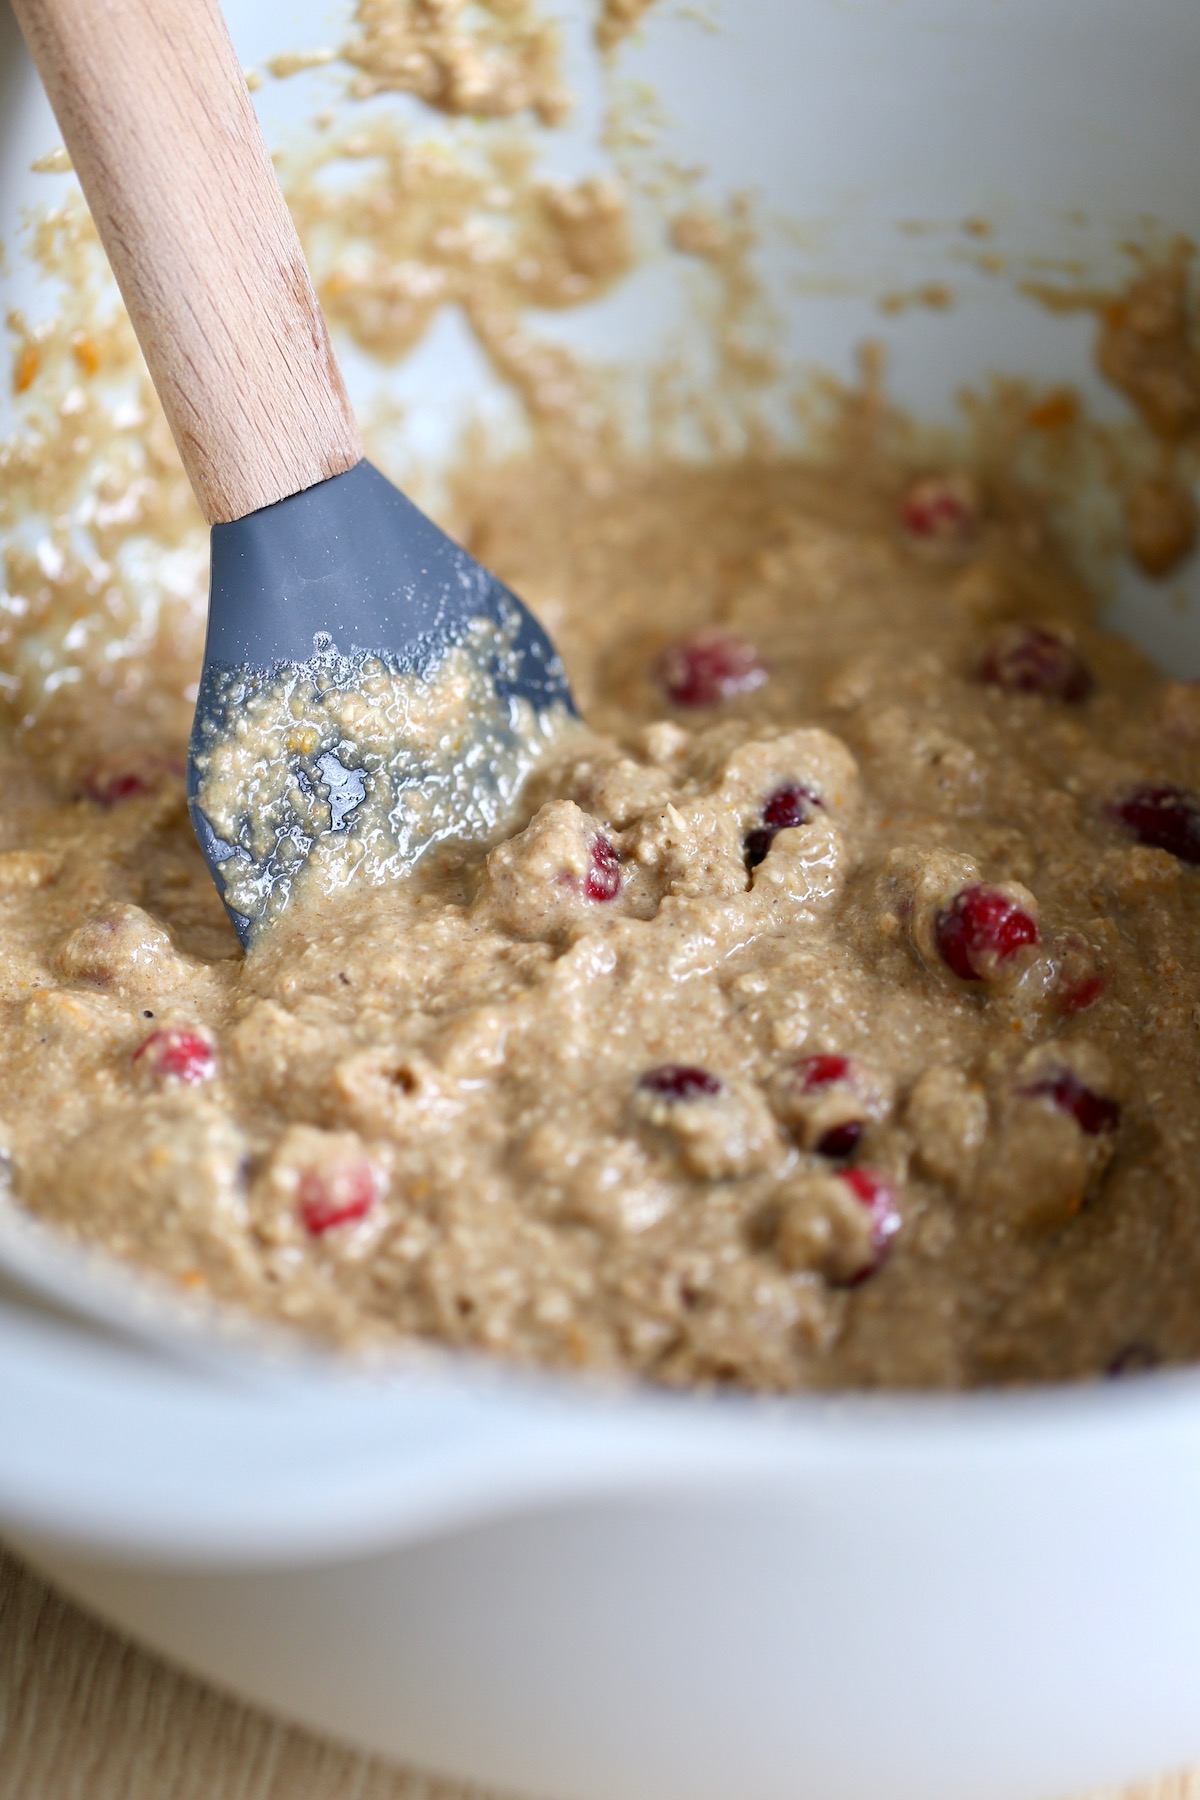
(825,1014)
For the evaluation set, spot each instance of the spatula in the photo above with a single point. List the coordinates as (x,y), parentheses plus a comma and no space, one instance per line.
(338,612)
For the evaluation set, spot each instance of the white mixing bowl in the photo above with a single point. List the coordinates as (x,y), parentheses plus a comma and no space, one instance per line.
(543,1586)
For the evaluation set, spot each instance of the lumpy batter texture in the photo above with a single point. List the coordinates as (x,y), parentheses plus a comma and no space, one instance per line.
(826,1013)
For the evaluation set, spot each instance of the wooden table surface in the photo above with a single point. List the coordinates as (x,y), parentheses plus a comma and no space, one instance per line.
(86,1716)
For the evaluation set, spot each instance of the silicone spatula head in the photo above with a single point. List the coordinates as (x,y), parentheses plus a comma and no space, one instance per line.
(369,691)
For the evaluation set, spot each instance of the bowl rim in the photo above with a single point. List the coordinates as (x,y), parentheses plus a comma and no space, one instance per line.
(139,1433)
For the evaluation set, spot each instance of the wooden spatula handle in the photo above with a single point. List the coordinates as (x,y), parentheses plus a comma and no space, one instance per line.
(156,116)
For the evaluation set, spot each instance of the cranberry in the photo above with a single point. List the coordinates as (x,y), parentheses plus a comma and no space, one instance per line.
(334,1196)
(815,1072)
(840,1140)
(110,790)
(878,1196)
(980,930)
(709,667)
(1164,818)
(1028,659)
(1134,1359)
(680,1081)
(177,1055)
(127,775)
(603,880)
(1094,1113)
(783,810)
(821,1119)
(1077,996)
(1079,981)
(941,512)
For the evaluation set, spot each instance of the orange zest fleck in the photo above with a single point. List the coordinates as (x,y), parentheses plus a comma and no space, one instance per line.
(26,368)
(87,355)
(1056,411)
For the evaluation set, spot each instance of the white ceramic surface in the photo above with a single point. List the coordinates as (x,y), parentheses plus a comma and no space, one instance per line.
(660,1599)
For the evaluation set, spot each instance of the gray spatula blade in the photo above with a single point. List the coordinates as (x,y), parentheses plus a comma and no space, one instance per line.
(345,569)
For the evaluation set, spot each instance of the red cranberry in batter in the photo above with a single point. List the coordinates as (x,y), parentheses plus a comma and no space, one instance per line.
(709,667)
(816,1074)
(1075,997)
(1095,1114)
(1031,659)
(878,1196)
(1163,817)
(1079,979)
(1134,1358)
(680,1081)
(603,879)
(981,930)
(941,514)
(840,1141)
(110,790)
(128,775)
(175,1054)
(827,1101)
(334,1196)
(821,1071)
(783,810)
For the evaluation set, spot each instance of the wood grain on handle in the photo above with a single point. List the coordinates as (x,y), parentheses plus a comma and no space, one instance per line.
(156,116)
